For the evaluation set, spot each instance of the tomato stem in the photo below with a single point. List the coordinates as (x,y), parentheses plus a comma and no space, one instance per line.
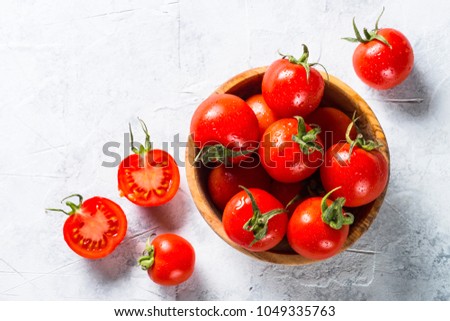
(296,198)
(369,35)
(303,61)
(147,259)
(142,148)
(307,140)
(258,223)
(334,215)
(219,153)
(360,141)
(73,207)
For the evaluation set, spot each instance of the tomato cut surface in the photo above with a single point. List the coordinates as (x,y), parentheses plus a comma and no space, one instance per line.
(96,228)
(150,179)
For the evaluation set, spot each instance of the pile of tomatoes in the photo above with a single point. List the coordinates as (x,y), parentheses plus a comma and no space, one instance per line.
(283,167)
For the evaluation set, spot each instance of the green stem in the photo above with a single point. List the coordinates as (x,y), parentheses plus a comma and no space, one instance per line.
(142,148)
(73,207)
(334,215)
(147,259)
(258,223)
(369,35)
(303,61)
(360,141)
(307,140)
(219,153)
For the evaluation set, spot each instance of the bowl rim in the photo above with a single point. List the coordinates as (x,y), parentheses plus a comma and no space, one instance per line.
(212,215)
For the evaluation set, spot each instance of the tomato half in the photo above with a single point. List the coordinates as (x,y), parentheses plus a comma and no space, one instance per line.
(290,89)
(149,177)
(255,220)
(95,227)
(169,259)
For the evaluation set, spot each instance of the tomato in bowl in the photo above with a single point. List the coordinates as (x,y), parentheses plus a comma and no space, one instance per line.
(336,94)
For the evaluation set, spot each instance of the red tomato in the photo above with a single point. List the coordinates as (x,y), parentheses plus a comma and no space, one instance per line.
(289,89)
(384,58)
(333,124)
(255,220)
(149,177)
(311,236)
(223,182)
(362,174)
(286,192)
(225,120)
(95,227)
(169,259)
(283,158)
(263,113)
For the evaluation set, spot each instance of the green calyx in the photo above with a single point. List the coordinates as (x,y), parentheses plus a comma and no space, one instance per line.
(257,224)
(142,148)
(334,215)
(303,61)
(147,259)
(360,141)
(219,153)
(307,140)
(73,207)
(369,35)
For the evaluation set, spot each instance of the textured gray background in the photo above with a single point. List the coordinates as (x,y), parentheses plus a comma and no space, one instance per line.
(74,73)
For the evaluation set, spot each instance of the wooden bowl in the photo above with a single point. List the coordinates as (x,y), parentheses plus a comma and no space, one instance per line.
(338,95)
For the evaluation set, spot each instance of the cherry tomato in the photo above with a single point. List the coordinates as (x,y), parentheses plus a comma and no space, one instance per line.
(291,87)
(223,182)
(149,177)
(286,160)
(333,124)
(362,174)
(290,194)
(224,123)
(95,227)
(255,220)
(169,259)
(263,113)
(384,59)
(319,228)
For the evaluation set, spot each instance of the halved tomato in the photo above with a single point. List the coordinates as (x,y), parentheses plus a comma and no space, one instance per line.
(95,227)
(149,177)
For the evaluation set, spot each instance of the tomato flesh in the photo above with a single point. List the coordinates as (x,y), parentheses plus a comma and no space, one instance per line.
(151,179)
(96,228)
